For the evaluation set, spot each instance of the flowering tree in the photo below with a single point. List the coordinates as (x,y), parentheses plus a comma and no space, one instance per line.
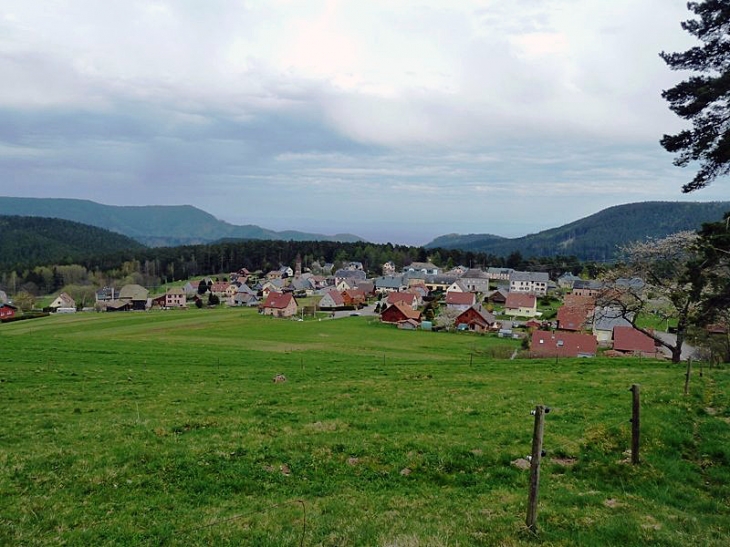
(663,276)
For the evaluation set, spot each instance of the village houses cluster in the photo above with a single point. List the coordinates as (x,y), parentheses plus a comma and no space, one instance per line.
(420,296)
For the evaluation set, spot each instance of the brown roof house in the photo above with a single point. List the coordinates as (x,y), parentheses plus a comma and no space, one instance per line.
(354,297)
(571,318)
(408,298)
(521,304)
(562,344)
(400,311)
(460,301)
(475,319)
(280,305)
(630,340)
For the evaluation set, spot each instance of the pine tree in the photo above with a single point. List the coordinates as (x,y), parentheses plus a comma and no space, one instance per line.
(703,99)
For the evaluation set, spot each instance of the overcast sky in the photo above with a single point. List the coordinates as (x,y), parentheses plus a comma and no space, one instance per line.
(395,120)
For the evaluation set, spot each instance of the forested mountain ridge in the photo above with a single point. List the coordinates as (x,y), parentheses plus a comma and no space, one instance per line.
(596,237)
(26,241)
(153,225)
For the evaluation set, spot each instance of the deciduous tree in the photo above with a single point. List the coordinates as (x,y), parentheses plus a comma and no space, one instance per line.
(672,283)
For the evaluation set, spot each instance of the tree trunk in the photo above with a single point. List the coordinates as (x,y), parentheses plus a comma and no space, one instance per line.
(681,331)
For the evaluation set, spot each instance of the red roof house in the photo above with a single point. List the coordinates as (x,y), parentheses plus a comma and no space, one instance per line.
(399,311)
(460,300)
(562,344)
(631,340)
(476,319)
(409,298)
(354,297)
(280,304)
(523,304)
(571,318)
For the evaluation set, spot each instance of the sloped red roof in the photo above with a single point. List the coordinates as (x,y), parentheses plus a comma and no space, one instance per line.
(400,310)
(460,298)
(278,300)
(336,297)
(520,300)
(355,293)
(562,344)
(631,339)
(586,303)
(406,297)
(571,318)
(219,286)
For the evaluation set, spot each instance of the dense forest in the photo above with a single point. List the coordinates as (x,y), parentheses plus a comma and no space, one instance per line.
(597,237)
(26,242)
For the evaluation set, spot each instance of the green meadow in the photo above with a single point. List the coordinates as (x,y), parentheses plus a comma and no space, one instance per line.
(165,428)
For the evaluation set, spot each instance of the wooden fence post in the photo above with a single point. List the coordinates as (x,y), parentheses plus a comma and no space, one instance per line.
(687,375)
(537,435)
(635,424)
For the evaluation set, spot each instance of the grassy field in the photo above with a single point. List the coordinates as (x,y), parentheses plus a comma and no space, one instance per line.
(166,428)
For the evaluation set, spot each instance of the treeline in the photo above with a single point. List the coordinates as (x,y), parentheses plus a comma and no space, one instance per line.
(152,267)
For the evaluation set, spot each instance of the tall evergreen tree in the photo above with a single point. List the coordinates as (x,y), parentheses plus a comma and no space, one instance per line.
(703,99)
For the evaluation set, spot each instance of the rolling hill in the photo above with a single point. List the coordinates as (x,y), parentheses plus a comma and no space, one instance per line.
(595,237)
(153,225)
(26,241)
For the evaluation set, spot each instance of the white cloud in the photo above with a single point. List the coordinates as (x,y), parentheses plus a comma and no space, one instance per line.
(448,105)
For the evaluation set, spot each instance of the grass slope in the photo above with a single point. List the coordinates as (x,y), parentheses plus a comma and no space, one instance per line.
(596,237)
(153,225)
(166,428)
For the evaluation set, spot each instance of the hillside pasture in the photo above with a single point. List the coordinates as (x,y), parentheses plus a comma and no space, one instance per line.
(166,428)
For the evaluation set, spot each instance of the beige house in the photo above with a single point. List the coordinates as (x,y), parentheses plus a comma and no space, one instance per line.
(280,305)
(63,300)
(521,304)
(175,298)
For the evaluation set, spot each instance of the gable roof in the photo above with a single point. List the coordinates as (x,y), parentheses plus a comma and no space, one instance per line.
(336,297)
(563,344)
(277,300)
(460,298)
(570,318)
(535,277)
(476,312)
(520,300)
(607,318)
(389,282)
(475,274)
(133,292)
(631,339)
(404,297)
(407,311)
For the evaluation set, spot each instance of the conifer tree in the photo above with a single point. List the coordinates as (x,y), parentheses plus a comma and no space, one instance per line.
(704,98)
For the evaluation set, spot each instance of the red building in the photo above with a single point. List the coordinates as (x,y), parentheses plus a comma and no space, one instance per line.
(7,311)
(399,311)
(476,319)
(630,340)
(562,344)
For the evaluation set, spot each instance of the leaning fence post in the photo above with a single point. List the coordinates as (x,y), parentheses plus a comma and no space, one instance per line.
(635,424)
(537,435)
(687,375)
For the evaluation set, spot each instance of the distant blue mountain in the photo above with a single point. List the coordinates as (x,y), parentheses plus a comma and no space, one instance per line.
(154,225)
